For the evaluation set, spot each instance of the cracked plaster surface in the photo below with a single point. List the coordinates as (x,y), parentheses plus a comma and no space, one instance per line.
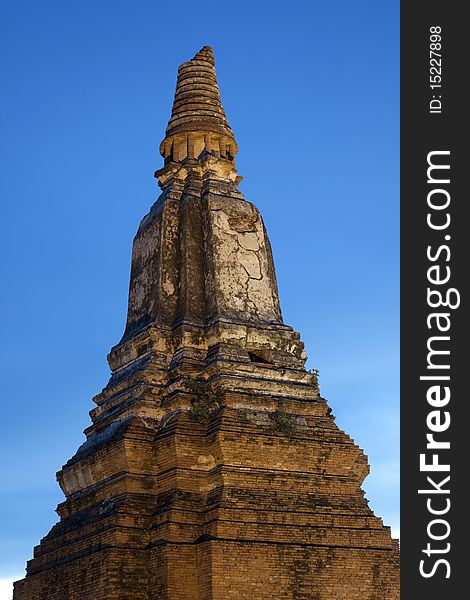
(243,279)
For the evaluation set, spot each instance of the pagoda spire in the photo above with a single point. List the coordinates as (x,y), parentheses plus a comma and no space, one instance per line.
(202,255)
(197,105)
(198,127)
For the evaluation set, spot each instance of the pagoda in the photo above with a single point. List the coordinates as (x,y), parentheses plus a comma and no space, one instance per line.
(213,469)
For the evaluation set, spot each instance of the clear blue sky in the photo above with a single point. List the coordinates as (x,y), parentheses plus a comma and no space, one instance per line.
(311,92)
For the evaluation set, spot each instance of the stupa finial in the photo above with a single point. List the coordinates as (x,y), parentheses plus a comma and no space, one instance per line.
(198,124)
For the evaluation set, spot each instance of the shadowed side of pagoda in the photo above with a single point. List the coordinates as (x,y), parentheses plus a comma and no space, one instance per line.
(213,468)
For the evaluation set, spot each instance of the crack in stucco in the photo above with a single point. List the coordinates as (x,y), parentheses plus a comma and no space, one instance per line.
(240,247)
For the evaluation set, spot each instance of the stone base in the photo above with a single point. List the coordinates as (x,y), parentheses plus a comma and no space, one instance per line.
(229,509)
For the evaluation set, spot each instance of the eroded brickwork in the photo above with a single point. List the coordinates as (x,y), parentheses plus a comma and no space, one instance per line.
(213,468)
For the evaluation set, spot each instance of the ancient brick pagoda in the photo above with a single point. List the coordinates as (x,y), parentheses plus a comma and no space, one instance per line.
(213,469)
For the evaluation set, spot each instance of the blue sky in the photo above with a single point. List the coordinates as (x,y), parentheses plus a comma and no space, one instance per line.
(311,92)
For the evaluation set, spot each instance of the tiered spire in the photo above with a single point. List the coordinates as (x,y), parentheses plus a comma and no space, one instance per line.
(202,254)
(197,105)
(198,124)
